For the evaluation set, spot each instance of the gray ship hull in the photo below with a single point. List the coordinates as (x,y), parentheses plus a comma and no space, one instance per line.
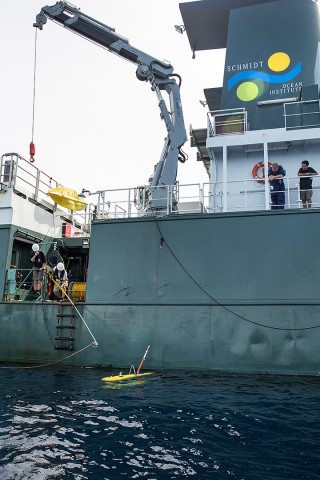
(201,273)
(229,292)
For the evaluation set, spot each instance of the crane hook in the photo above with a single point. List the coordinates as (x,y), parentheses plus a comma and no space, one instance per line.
(32,152)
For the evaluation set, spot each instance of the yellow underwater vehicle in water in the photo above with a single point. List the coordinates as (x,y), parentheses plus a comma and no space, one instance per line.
(132,372)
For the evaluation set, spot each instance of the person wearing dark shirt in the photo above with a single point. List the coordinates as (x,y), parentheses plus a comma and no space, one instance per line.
(276,174)
(38,258)
(306,173)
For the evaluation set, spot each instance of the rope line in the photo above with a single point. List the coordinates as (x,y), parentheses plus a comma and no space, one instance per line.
(94,343)
(163,240)
(51,363)
(46,323)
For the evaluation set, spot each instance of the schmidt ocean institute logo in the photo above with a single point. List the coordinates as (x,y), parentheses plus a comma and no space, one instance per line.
(251,82)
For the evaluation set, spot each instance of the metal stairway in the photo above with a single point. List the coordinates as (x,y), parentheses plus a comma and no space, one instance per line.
(65,328)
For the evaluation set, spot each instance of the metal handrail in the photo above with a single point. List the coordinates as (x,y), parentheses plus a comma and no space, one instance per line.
(237,195)
(225,121)
(247,195)
(304,122)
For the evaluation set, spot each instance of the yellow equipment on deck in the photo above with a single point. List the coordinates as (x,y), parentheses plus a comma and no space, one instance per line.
(68,198)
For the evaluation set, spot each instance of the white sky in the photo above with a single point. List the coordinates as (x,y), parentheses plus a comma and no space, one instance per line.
(96,126)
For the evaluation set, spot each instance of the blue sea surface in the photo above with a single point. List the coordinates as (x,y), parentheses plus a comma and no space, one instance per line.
(65,423)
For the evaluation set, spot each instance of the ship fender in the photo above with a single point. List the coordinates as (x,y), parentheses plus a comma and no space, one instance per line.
(258,171)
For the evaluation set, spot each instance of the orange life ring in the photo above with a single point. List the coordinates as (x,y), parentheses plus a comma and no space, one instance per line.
(259,167)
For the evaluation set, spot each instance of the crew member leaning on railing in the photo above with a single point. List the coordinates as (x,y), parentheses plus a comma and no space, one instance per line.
(306,183)
(276,173)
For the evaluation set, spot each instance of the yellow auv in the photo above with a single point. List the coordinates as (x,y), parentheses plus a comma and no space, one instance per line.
(120,378)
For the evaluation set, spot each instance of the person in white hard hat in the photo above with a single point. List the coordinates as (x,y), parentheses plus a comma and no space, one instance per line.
(38,258)
(60,277)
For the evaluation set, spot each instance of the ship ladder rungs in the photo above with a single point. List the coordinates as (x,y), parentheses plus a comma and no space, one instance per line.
(65,329)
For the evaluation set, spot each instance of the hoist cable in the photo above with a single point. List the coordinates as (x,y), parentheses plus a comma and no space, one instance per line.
(32,146)
(34,82)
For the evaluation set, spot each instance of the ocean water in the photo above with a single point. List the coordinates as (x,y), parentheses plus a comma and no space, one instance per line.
(65,423)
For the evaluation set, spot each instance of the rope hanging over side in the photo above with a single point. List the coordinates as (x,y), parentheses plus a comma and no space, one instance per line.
(94,343)
(32,149)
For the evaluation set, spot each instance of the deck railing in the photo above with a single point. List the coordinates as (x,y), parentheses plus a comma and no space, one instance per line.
(304,114)
(238,196)
(297,115)
(244,195)
(16,171)
(218,197)
(19,287)
(28,181)
(227,122)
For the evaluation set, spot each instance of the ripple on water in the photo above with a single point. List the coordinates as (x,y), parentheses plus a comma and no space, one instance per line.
(64,424)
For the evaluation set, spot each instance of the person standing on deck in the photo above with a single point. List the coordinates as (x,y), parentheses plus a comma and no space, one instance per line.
(306,183)
(276,174)
(60,277)
(38,258)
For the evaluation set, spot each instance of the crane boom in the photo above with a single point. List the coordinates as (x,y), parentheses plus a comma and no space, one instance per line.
(158,73)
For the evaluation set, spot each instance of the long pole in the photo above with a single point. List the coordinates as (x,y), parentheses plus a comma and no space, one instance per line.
(143,359)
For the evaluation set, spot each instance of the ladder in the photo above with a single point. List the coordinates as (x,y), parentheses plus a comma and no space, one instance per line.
(65,328)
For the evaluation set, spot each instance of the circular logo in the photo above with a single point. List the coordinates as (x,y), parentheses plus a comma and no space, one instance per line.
(247,91)
(279,61)
(257,81)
